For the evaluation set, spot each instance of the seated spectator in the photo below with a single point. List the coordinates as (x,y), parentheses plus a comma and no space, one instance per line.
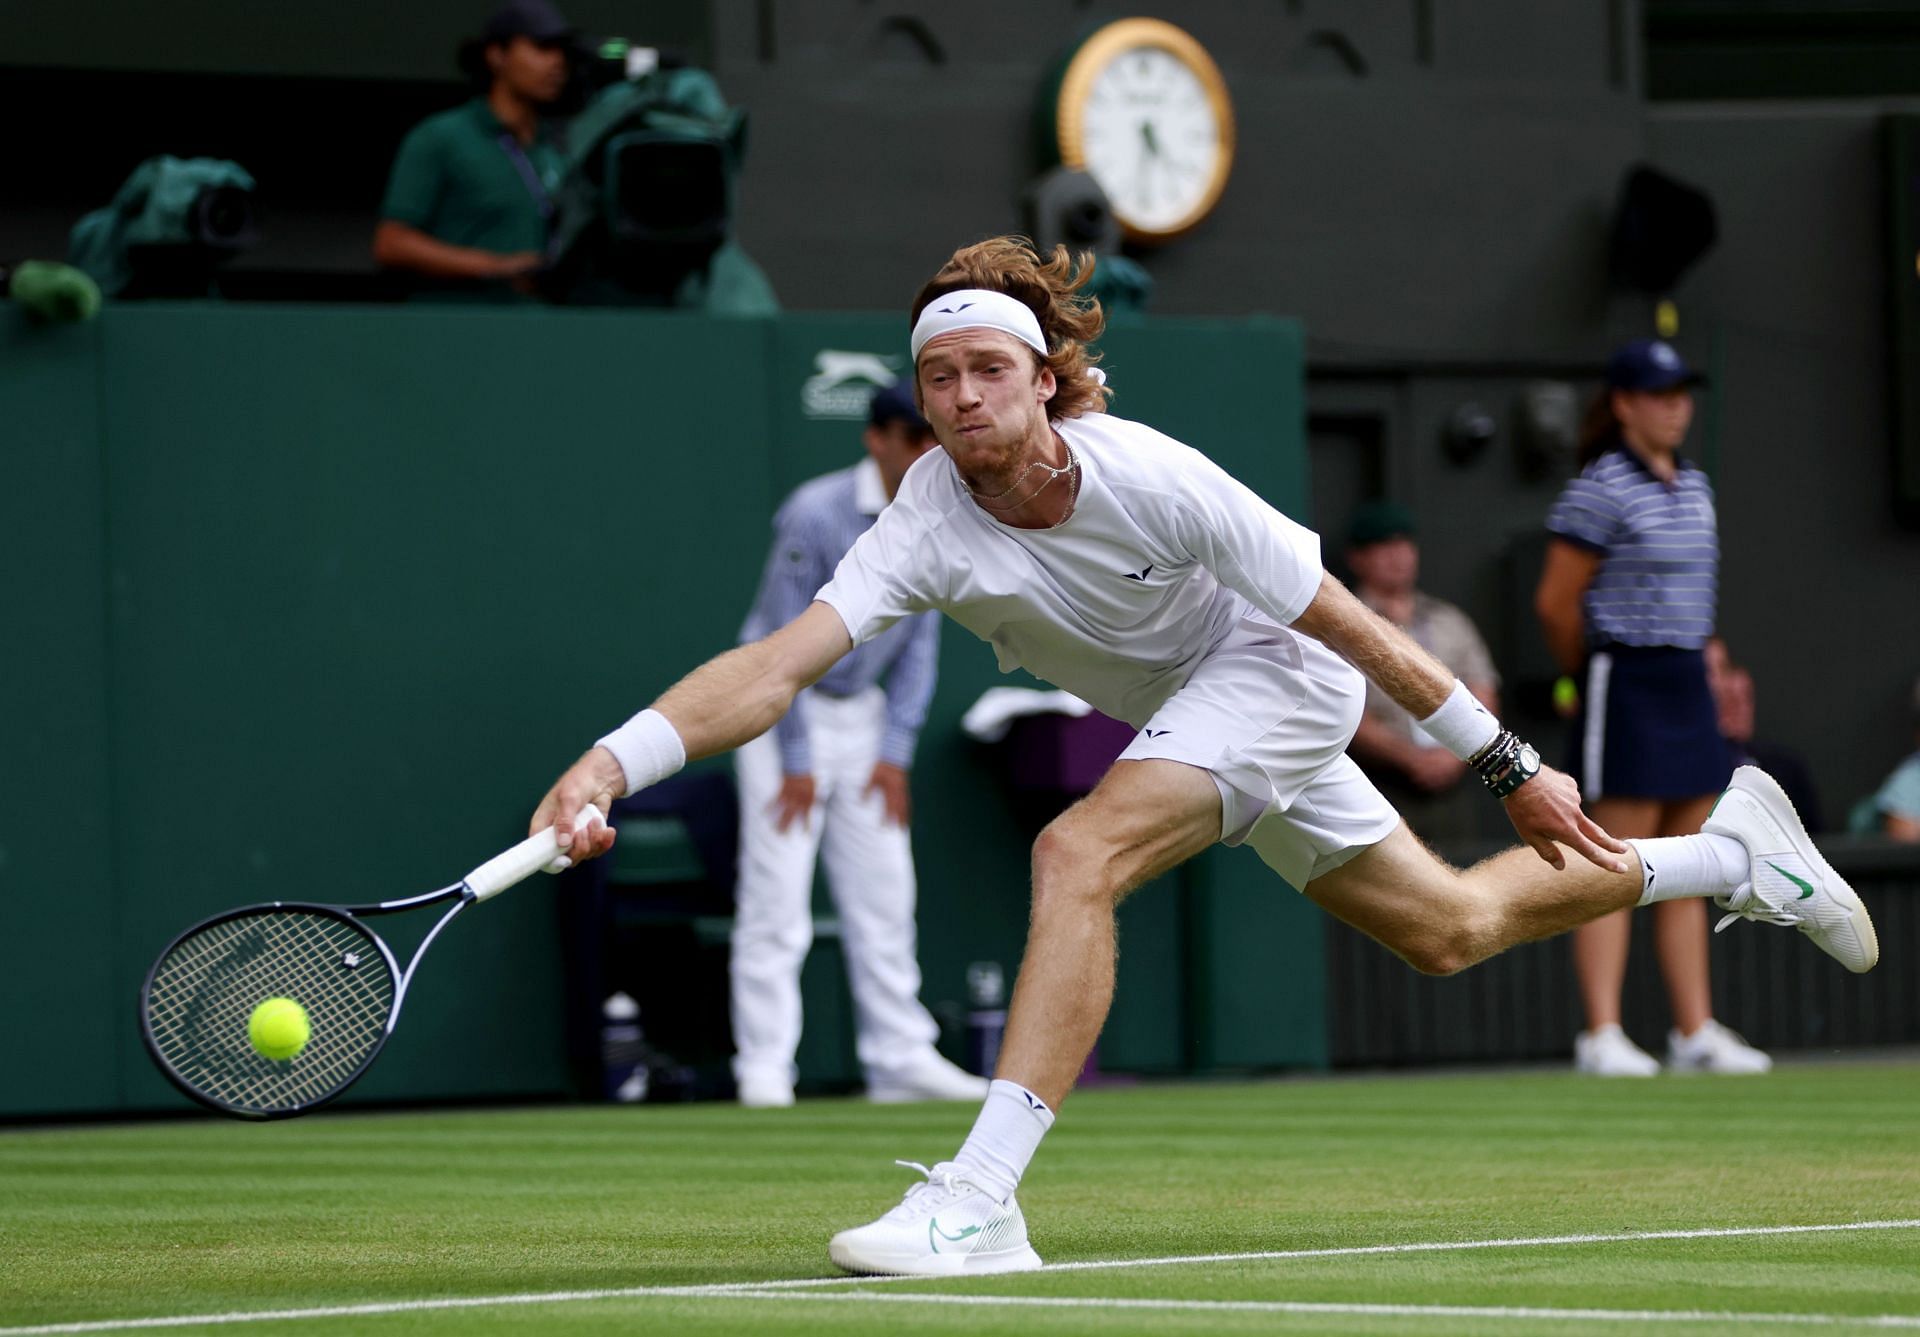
(1894,809)
(469,203)
(1732,688)
(1421,778)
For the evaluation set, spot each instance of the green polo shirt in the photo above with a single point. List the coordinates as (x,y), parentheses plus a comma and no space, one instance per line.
(454,179)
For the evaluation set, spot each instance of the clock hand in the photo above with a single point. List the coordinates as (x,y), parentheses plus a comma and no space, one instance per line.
(1146,134)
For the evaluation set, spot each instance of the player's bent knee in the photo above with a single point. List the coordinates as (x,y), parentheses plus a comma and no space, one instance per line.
(1447,949)
(1441,935)
(1071,867)
(1435,958)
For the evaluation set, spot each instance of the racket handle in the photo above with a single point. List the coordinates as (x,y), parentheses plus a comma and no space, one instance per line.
(521,862)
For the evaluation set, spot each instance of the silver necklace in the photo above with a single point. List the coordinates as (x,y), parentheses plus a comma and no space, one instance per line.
(1073,491)
(1052,473)
(1071,469)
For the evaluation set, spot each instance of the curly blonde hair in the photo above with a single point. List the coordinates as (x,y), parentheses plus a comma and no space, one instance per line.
(1050,288)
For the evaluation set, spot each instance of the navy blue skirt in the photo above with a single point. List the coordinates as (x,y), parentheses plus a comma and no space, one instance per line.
(1647,727)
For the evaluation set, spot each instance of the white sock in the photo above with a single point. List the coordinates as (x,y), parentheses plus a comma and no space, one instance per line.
(1672,867)
(1004,1138)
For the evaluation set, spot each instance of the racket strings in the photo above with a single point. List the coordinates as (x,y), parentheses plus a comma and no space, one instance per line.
(206,987)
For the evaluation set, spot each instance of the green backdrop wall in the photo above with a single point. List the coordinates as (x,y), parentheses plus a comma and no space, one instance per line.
(313,603)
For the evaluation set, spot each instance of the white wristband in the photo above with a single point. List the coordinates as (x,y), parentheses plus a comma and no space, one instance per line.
(648,749)
(1462,725)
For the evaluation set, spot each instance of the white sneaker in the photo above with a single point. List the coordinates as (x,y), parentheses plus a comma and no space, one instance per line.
(930,1077)
(943,1227)
(1608,1052)
(763,1091)
(1789,883)
(1714,1048)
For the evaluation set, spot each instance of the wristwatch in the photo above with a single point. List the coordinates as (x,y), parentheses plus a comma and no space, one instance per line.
(1524,766)
(1505,764)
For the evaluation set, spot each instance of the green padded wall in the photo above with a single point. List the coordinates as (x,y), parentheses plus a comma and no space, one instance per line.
(60,1017)
(313,603)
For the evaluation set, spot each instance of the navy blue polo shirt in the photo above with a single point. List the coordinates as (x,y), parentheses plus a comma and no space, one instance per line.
(1659,576)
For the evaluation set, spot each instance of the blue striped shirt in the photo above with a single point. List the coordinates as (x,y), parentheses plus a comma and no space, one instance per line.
(812,531)
(1659,577)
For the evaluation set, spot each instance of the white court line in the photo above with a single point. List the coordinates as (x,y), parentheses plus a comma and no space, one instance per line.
(1391,1311)
(747,1290)
(1347,1251)
(1538,1242)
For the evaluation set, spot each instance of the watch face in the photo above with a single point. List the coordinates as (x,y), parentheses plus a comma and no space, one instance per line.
(1528,761)
(1143,109)
(1150,137)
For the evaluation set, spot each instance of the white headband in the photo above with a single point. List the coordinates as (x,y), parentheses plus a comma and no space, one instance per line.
(977,309)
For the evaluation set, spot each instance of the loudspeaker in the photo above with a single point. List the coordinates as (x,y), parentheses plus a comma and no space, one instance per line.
(1660,228)
(1469,430)
(1546,433)
(1067,207)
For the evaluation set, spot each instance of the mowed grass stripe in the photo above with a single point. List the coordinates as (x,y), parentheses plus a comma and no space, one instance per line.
(855,1288)
(351,1208)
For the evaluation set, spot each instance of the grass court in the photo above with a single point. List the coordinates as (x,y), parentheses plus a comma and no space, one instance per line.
(1527,1203)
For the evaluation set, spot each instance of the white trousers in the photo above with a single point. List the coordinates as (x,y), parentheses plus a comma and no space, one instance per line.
(869,864)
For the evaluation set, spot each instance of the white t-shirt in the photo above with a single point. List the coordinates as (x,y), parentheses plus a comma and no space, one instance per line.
(1165,554)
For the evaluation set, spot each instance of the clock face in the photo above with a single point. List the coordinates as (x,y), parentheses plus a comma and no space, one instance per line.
(1144,111)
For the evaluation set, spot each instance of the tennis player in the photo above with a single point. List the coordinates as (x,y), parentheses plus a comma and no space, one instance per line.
(1131,570)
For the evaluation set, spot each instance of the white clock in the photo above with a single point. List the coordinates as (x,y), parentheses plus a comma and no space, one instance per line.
(1143,110)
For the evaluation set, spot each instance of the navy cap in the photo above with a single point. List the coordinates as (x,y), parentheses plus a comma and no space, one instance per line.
(537,19)
(1650,364)
(894,403)
(1378,521)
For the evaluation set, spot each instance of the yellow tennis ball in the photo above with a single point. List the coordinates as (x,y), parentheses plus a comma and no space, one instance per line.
(279,1028)
(1566,695)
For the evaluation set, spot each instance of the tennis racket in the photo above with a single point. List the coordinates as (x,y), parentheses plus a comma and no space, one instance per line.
(201,992)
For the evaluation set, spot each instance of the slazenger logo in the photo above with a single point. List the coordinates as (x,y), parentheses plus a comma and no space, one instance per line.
(843,382)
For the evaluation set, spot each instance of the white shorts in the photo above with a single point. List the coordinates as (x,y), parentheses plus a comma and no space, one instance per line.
(1269,715)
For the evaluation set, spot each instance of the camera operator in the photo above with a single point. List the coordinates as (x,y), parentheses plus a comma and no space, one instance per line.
(469,203)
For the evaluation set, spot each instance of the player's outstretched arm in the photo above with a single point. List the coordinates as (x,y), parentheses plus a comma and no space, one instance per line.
(1386,654)
(1545,810)
(735,697)
(730,699)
